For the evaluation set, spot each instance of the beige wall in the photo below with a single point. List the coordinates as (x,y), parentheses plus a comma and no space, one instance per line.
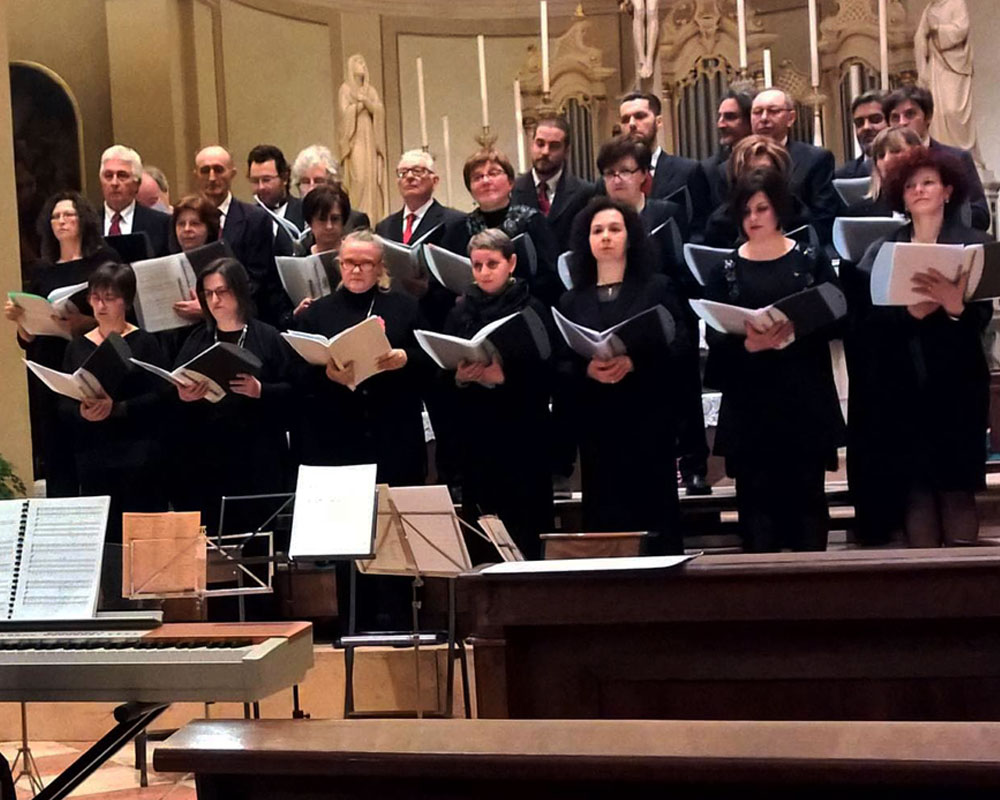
(15,438)
(70,38)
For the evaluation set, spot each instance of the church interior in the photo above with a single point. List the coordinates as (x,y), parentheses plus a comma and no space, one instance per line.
(711,669)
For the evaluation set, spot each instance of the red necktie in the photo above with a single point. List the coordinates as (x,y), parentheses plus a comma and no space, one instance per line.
(408,233)
(543,198)
(116,225)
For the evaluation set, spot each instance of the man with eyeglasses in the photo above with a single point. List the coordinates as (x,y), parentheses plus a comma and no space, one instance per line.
(869,121)
(641,119)
(624,165)
(416,180)
(245,227)
(913,107)
(120,214)
(811,180)
(549,186)
(732,124)
(270,176)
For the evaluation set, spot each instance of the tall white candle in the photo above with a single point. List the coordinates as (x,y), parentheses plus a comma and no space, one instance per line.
(445,135)
(854,83)
(768,77)
(741,23)
(519,127)
(421,101)
(481,42)
(883,43)
(544,11)
(813,43)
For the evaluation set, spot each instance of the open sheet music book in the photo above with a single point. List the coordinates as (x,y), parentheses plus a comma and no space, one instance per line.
(564,266)
(852,236)
(808,311)
(50,557)
(101,375)
(161,282)
(897,262)
(334,514)
(130,247)
(218,364)
(307,276)
(682,197)
(405,261)
(853,190)
(452,271)
(703,260)
(361,345)
(518,335)
(654,323)
(290,227)
(417,533)
(43,315)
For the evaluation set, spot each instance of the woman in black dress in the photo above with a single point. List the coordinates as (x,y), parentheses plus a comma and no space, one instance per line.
(625,409)
(240,443)
(780,420)
(116,442)
(502,409)
(380,422)
(71,248)
(927,382)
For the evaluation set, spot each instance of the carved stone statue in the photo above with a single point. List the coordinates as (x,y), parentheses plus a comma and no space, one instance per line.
(943,52)
(362,140)
(645,33)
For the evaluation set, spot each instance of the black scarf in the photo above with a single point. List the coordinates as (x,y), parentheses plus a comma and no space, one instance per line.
(479,308)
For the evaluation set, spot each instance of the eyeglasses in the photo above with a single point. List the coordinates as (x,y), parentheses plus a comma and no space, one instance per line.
(121,175)
(350,266)
(212,169)
(263,179)
(619,174)
(491,175)
(771,111)
(107,297)
(316,182)
(220,293)
(58,215)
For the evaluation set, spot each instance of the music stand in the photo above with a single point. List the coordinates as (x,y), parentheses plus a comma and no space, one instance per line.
(418,534)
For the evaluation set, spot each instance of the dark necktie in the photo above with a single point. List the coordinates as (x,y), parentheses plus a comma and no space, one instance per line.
(543,198)
(408,232)
(115,228)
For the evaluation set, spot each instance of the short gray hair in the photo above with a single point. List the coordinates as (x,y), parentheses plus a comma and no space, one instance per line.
(421,157)
(157,175)
(365,236)
(492,239)
(315,155)
(124,153)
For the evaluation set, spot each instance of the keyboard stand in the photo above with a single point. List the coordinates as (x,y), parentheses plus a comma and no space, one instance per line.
(133,718)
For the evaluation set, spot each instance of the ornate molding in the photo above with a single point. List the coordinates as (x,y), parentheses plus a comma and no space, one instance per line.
(852,35)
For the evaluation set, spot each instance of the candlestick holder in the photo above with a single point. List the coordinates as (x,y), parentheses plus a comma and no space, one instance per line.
(546,108)
(486,138)
(743,82)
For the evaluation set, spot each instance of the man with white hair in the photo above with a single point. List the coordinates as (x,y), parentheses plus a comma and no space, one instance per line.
(315,166)
(120,176)
(416,181)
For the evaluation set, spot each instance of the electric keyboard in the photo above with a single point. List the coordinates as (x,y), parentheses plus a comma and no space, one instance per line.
(183,662)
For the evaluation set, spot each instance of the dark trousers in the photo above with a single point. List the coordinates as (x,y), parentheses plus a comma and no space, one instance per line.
(783,505)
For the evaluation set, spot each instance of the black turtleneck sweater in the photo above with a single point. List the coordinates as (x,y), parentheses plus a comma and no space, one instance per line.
(380,422)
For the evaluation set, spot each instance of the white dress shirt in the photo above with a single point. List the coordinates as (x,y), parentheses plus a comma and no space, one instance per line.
(127,214)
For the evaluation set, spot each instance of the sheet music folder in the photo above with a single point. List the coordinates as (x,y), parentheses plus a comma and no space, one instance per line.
(334,516)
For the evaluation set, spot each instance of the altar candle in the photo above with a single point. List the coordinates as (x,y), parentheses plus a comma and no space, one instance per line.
(421,101)
(883,43)
(768,78)
(741,21)
(813,43)
(544,11)
(519,127)
(481,42)
(445,135)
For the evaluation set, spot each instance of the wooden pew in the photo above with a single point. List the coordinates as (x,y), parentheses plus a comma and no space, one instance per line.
(876,635)
(279,759)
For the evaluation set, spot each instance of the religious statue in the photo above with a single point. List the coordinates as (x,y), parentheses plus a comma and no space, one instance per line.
(645,33)
(362,140)
(943,52)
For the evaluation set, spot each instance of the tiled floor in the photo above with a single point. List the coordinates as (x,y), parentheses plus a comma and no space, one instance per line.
(116,780)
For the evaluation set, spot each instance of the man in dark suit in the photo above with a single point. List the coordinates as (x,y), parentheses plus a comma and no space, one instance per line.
(733,124)
(270,176)
(869,121)
(121,174)
(913,106)
(549,186)
(245,227)
(811,179)
(641,119)
(416,181)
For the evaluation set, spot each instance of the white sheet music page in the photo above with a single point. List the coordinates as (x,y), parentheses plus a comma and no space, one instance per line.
(334,513)
(61,561)
(10,525)
(555,565)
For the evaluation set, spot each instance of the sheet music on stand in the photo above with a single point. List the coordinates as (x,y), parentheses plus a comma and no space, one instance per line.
(500,538)
(334,515)
(51,550)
